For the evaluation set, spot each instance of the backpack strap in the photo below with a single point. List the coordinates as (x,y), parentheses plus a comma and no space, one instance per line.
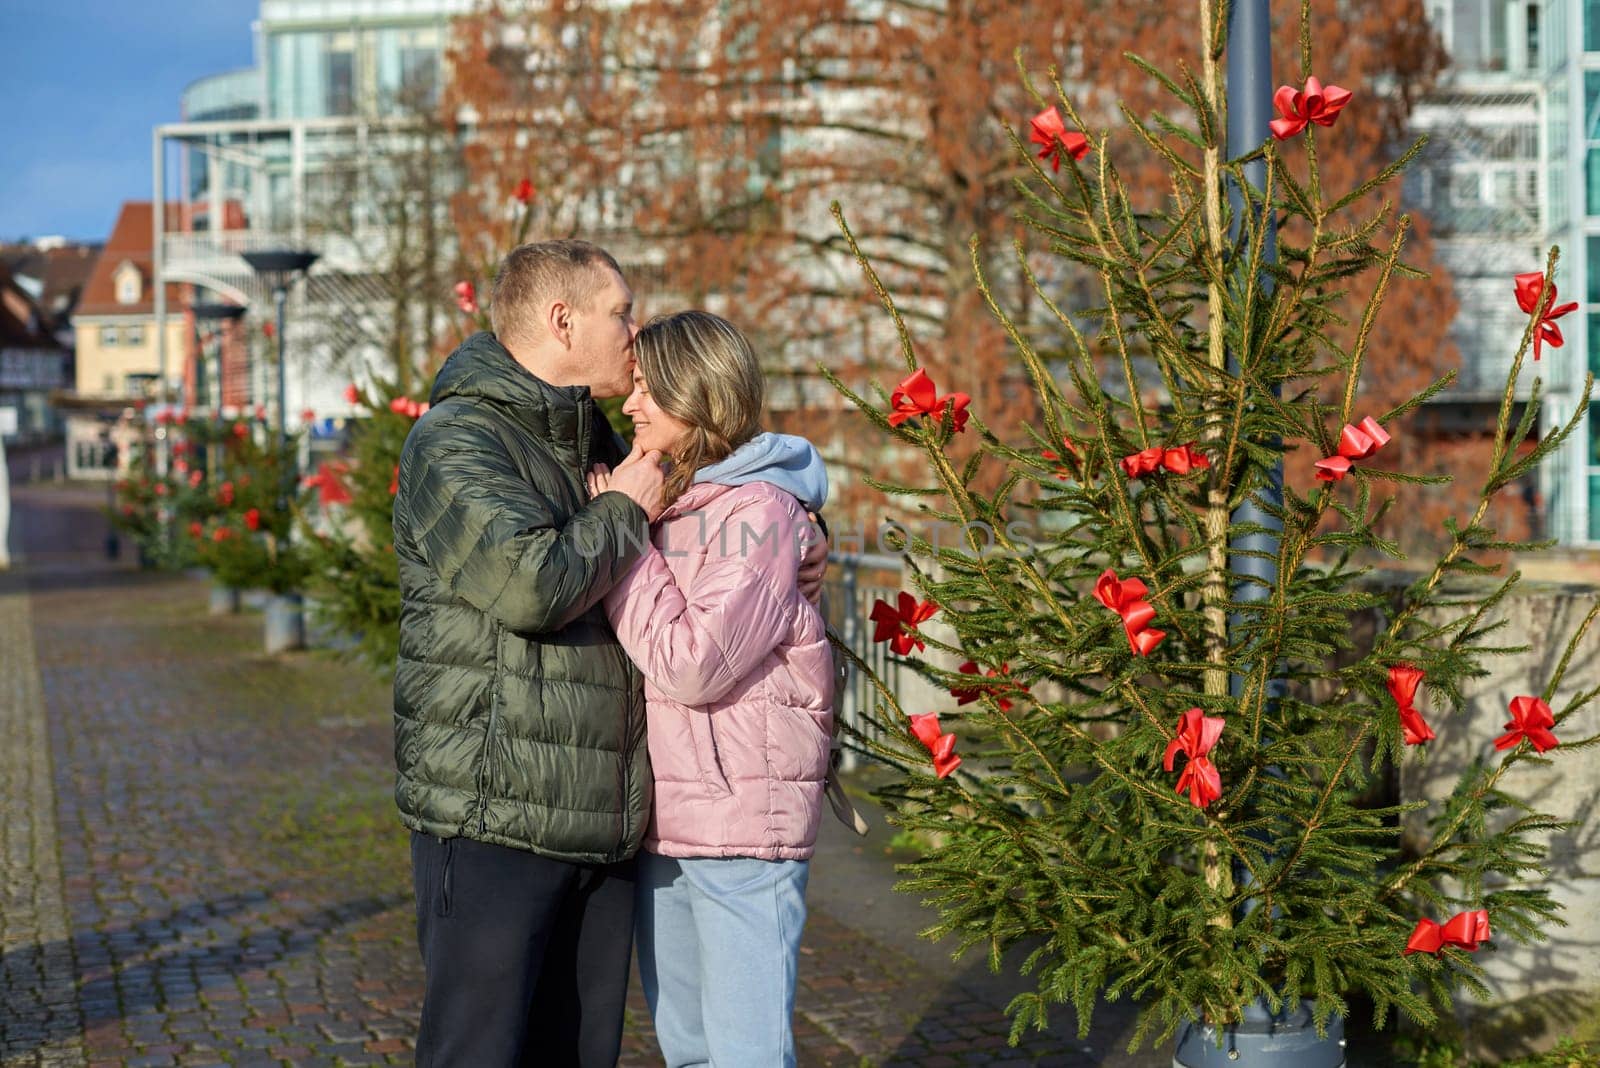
(838,800)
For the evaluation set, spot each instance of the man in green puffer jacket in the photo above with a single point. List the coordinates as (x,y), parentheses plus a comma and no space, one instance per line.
(519,721)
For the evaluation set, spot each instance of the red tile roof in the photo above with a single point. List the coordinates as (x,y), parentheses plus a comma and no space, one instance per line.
(130,241)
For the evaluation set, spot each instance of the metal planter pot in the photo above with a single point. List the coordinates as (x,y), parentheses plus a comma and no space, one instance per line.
(285,623)
(1287,1039)
(224,600)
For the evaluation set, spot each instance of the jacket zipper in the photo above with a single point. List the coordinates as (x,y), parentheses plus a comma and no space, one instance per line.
(624,752)
(488,738)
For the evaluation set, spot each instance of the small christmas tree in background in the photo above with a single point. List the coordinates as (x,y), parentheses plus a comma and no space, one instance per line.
(245,540)
(1159,776)
(348,526)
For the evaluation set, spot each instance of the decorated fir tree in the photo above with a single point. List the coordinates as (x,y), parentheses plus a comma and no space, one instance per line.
(348,528)
(246,538)
(1159,777)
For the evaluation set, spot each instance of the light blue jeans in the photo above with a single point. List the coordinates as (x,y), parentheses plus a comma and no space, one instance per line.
(719,947)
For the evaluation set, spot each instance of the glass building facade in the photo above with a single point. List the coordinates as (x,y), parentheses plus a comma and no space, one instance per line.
(229,97)
(370,58)
(1571,49)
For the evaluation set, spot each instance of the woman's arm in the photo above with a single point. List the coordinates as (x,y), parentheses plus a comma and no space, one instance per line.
(696,644)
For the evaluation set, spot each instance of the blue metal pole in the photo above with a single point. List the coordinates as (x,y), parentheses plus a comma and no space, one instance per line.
(1262,1038)
(1249,112)
(280,297)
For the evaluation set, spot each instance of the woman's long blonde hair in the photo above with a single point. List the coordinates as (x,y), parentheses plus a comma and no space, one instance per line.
(700,369)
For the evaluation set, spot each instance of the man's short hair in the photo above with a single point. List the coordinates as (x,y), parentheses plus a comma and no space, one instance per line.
(533,275)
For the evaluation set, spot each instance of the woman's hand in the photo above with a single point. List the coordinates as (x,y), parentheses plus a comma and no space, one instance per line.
(599,479)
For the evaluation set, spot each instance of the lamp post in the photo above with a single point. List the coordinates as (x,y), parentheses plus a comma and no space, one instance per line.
(278,267)
(108,461)
(285,620)
(1262,1038)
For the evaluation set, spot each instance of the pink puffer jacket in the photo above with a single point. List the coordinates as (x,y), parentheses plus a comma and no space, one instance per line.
(738,675)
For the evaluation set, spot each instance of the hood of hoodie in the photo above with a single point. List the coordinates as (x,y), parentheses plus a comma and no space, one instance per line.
(785,460)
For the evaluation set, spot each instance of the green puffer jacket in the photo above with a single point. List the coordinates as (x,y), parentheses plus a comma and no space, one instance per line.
(518,719)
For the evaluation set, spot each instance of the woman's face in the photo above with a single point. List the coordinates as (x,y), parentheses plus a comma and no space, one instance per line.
(652,427)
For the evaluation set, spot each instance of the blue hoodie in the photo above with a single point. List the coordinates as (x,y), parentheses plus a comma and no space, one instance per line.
(789,462)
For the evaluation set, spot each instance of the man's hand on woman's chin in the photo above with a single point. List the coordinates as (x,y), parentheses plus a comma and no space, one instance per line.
(638,477)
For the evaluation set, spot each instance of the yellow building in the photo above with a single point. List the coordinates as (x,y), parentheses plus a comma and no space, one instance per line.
(118,362)
(115,320)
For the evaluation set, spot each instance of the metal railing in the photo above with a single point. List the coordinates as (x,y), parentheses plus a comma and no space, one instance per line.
(847,601)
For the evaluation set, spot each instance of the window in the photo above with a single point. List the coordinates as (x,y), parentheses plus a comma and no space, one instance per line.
(1466,189)
(1533,36)
(341,74)
(95,455)
(133,334)
(108,336)
(128,284)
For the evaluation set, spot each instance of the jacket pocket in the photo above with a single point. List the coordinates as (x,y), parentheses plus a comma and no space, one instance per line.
(707,760)
(445,900)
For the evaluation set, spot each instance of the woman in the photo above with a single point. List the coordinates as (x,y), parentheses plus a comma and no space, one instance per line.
(738,693)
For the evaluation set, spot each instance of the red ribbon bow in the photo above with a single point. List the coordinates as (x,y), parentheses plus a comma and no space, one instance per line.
(1464,929)
(1125,597)
(916,396)
(1403,680)
(1197,733)
(942,746)
(329,480)
(1528,286)
(408,407)
(967,695)
(1313,104)
(898,625)
(1052,136)
(523,192)
(1355,443)
(1530,719)
(1063,473)
(1179,459)
(467,298)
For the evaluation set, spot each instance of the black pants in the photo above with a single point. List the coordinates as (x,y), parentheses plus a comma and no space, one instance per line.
(526,957)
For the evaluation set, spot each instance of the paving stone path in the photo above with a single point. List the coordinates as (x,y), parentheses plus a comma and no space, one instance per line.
(201,864)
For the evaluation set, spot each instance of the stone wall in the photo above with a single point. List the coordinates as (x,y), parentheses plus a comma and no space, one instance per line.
(1543,992)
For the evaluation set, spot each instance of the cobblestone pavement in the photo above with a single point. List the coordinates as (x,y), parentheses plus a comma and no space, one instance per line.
(201,862)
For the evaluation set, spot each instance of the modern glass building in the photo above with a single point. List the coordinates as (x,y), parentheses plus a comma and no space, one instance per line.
(1571,67)
(1515,168)
(288,155)
(328,58)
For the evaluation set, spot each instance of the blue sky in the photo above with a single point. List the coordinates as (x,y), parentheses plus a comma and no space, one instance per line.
(84,82)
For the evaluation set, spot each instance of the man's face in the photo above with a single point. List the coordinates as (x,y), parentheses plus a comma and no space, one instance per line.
(602,337)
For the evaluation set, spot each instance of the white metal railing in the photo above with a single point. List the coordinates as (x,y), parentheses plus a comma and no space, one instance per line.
(222,250)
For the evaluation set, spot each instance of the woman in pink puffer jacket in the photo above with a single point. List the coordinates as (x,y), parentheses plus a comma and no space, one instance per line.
(738,692)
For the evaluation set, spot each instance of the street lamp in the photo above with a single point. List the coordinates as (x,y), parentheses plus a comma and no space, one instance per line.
(278,267)
(285,618)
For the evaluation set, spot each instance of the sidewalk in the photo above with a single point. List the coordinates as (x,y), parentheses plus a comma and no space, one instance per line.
(201,862)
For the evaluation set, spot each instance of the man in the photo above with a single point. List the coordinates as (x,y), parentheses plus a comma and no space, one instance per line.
(519,722)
